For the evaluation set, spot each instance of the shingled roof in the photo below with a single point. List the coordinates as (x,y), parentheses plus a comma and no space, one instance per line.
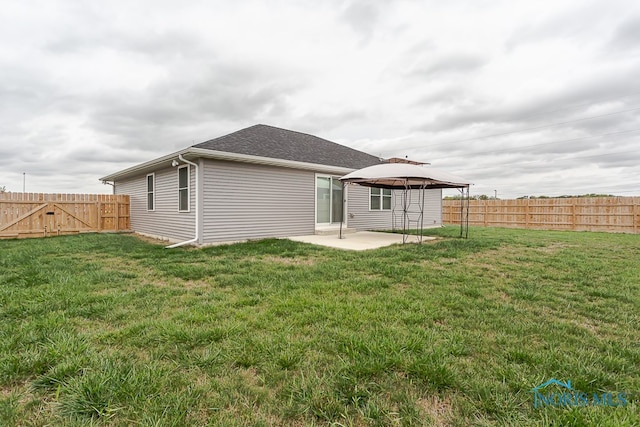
(268,141)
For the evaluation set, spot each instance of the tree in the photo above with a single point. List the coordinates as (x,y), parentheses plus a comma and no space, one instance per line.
(3,189)
(474,197)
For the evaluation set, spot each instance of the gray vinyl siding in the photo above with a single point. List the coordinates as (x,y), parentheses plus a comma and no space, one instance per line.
(361,218)
(242,201)
(246,201)
(359,215)
(165,221)
(433,208)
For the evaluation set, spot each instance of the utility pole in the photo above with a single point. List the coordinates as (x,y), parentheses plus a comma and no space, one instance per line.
(24,180)
(495,194)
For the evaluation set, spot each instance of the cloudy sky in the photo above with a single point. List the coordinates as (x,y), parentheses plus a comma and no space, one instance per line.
(522,97)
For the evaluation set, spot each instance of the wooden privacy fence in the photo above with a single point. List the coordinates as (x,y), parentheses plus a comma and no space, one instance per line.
(42,215)
(610,214)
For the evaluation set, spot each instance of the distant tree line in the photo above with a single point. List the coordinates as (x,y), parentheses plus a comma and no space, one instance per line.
(566,196)
(475,197)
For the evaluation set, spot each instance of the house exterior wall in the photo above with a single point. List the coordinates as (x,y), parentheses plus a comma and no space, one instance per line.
(361,218)
(433,208)
(358,214)
(241,201)
(165,221)
(248,201)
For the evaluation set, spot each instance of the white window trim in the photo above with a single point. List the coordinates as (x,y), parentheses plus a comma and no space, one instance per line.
(381,196)
(188,167)
(153,191)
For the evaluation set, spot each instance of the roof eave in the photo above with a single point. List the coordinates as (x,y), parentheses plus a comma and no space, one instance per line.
(193,152)
(141,168)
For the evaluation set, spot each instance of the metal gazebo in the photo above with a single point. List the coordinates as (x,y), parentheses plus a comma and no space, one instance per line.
(412,180)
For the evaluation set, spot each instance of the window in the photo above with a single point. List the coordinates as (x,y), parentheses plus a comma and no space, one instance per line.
(379,199)
(151,192)
(183,188)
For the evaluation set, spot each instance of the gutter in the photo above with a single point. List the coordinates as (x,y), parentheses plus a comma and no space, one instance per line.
(197,221)
(269,161)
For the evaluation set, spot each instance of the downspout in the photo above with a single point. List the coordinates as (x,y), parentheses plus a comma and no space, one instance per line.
(112,184)
(197,236)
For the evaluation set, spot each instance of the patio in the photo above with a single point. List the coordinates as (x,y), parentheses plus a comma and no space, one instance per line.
(359,241)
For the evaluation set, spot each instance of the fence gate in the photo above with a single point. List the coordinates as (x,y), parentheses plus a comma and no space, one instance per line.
(42,215)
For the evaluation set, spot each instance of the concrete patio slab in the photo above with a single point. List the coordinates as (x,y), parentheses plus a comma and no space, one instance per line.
(360,241)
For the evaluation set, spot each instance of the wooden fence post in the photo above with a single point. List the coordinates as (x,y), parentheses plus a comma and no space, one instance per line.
(117,214)
(485,213)
(99,215)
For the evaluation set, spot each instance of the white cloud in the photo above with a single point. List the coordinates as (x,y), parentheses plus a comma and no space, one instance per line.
(89,88)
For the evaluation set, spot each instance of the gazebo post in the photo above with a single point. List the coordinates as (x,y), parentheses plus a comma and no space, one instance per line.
(405,214)
(461,201)
(467,217)
(342,211)
(464,215)
(422,215)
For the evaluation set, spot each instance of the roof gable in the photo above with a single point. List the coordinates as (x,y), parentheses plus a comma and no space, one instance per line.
(268,141)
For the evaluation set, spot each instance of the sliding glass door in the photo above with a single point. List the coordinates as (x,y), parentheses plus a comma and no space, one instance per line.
(329,200)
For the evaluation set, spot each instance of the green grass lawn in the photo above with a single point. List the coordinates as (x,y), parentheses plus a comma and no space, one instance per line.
(111,330)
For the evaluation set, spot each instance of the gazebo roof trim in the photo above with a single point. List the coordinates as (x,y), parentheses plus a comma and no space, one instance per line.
(403,175)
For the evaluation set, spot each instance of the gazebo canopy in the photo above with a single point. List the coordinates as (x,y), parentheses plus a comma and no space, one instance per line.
(407,177)
(404,176)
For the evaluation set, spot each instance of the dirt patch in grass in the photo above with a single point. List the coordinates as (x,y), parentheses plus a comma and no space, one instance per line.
(554,247)
(157,280)
(440,322)
(448,260)
(6,391)
(104,292)
(151,240)
(438,409)
(431,240)
(118,264)
(251,376)
(499,262)
(402,287)
(585,323)
(287,260)
(188,284)
(26,399)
